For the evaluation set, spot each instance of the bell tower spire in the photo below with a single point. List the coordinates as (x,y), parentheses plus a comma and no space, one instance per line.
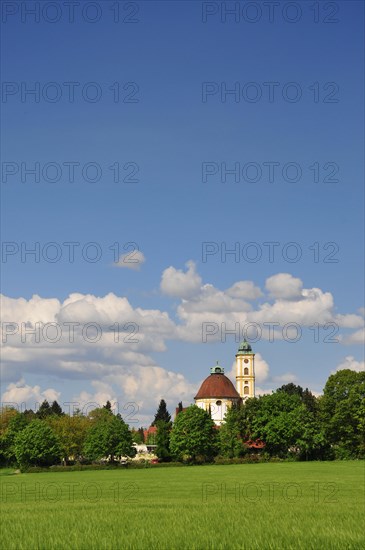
(245,370)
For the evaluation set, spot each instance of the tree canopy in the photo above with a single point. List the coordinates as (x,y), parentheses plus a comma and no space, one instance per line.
(163,440)
(342,410)
(290,421)
(37,445)
(108,436)
(162,413)
(193,436)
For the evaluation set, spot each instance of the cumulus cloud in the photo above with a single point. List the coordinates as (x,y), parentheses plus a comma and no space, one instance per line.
(180,284)
(244,289)
(284,286)
(131,260)
(136,392)
(349,321)
(357,337)
(37,309)
(351,363)
(87,401)
(84,337)
(106,341)
(218,309)
(26,396)
(314,305)
(287,303)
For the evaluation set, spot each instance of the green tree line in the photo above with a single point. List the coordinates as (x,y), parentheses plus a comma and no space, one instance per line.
(290,422)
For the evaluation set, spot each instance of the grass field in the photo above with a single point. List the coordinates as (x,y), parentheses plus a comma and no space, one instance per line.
(268,506)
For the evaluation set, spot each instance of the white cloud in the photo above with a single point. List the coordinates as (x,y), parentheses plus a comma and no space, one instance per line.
(284,286)
(87,401)
(26,396)
(350,363)
(119,364)
(123,336)
(136,392)
(127,330)
(219,309)
(244,289)
(20,310)
(357,337)
(176,283)
(131,260)
(312,306)
(349,321)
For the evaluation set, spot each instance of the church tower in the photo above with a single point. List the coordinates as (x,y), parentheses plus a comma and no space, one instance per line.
(245,371)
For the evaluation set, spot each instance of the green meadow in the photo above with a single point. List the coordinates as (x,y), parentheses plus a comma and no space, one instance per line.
(317,505)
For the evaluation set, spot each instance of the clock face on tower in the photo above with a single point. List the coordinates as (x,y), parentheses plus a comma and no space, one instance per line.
(246,360)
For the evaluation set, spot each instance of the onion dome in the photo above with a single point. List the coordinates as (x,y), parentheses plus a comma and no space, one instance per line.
(217,385)
(244,348)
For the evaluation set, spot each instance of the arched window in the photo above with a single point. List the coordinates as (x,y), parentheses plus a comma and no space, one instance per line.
(246,390)
(245,371)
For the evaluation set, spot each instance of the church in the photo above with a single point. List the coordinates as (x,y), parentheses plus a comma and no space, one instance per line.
(217,392)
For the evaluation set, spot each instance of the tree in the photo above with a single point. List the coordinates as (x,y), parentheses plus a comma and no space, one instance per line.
(37,445)
(274,419)
(193,436)
(310,401)
(162,413)
(288,421)
(108,405)
(56,409)
(71,432)
(44,410)
(138,435)
(30,415)
(342,412)
(109,436)
(141,433)
(6,414)
(230,433)
(10,428)
(151,437)
(179,407)
(100,415)
(306,396)
(311,441)
(163,440)
(238,428)
(291,389)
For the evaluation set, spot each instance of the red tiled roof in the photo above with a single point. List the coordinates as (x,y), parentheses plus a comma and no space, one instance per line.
(255,444)
(149,431)
(217,385)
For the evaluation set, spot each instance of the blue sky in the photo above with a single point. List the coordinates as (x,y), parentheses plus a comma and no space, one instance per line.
(163,60)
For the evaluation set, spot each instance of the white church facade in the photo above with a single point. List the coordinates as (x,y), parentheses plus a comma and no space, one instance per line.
(217,392)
